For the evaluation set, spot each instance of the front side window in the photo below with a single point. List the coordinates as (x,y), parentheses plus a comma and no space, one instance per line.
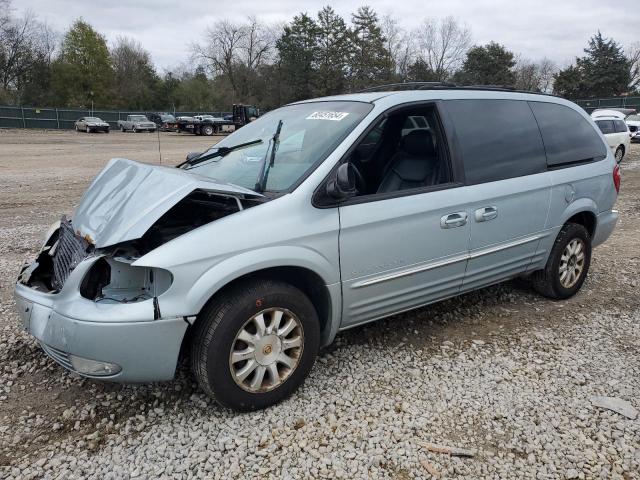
(568,136)
(498,139)
(310,132)
(403,151)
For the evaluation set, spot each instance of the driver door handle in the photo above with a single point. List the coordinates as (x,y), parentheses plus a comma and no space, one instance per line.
(485,214)
(453,220)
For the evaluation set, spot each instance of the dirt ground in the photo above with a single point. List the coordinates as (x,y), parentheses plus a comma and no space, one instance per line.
(43,174)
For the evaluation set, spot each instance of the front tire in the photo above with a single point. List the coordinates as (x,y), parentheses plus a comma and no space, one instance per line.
(254,345)
(568,264)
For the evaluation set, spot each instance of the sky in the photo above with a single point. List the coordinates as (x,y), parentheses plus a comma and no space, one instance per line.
(557,29)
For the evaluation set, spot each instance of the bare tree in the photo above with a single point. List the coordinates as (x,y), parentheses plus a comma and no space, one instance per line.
(228,46)
(24,44)
(633,56)
(399,44)
(442,45)
(534,76)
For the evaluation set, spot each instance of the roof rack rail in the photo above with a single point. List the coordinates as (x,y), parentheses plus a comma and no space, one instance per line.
(407,86)
(445,85)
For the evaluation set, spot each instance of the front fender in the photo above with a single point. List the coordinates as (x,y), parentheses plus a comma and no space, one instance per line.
(251,261)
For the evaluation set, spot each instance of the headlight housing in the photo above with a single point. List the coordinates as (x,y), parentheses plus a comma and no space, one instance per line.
(115,280)
(86,366)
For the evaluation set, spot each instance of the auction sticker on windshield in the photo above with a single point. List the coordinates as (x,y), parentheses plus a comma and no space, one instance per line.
(333,116)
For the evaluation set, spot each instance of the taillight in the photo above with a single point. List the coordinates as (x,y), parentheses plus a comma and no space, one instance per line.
(616,178)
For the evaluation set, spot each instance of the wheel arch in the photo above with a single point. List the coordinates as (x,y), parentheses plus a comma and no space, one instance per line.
(584,212)
(324,295)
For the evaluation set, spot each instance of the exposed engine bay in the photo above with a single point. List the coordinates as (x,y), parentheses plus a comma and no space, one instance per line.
(112,278)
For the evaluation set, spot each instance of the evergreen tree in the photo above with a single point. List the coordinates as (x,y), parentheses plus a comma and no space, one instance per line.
(491,64)
(83,72)
(569,83)
(605,69)
(370,60)
(334,49)
(298,49)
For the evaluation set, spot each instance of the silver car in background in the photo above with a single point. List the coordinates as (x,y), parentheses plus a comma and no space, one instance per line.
(318,217)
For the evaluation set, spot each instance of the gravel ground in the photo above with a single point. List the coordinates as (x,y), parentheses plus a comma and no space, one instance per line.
(502,371)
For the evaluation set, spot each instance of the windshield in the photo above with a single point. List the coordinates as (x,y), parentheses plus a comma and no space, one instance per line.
(167,118)
(138,118)
(92,119)
(310,131)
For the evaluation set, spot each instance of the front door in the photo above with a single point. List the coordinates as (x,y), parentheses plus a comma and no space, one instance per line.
(404,237)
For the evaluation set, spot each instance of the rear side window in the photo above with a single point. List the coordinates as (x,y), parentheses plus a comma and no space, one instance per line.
(605,126)
(498,138)
(620,126)
(568,136)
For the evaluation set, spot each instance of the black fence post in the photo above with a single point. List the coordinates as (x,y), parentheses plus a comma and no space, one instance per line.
(57,119)
(24,125)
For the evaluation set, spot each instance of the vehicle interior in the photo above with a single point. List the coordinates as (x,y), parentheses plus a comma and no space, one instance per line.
(405,150)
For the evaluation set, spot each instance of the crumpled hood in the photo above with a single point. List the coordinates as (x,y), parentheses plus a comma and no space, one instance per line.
(127,198)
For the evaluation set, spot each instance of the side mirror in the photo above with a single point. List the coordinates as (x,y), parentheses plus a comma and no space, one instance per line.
(343,185)
(192,155)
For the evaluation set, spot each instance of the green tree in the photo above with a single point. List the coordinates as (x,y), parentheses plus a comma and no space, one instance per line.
(491,64)
(298,50)
(605,69)
(333,52)
(370,60)
(569,83)
(83,73)
(135,78)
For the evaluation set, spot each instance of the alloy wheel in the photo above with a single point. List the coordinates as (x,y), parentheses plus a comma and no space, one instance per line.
(572,263)
(266,350)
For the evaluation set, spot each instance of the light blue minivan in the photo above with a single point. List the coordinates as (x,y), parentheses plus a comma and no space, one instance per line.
(317,217)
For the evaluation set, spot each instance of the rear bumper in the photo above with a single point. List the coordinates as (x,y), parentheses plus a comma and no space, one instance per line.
(606,223)
(144,350)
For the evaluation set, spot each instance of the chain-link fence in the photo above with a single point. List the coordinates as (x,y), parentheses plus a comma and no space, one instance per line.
(64,118)
(613,102)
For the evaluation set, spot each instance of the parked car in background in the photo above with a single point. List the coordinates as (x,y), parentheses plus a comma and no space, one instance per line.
(346,235)
(165,122)
(633,122)
(91,124)
(136,123)
(616,133)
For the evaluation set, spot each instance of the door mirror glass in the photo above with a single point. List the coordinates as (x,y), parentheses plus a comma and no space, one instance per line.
(343,184)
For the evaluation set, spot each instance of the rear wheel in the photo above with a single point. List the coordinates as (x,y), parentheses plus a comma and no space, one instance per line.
(568,264)
(619,153)
(207,130)
(255,345)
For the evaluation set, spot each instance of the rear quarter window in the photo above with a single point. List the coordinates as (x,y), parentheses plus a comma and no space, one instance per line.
(605,126)
(620,126)
(498,139)
(568,136)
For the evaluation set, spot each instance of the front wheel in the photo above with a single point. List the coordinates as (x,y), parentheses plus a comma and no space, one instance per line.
(568,264)
(134,129)
(255,345)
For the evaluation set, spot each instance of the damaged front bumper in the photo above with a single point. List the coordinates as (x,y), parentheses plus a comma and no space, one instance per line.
(108,340)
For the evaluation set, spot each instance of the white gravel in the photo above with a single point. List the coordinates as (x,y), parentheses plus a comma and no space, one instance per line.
(502,372)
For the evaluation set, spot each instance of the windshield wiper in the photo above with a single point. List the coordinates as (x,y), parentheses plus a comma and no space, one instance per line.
(261,184)
(220,152)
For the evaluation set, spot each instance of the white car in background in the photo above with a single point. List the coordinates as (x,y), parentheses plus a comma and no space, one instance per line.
(615,132)
(633,122)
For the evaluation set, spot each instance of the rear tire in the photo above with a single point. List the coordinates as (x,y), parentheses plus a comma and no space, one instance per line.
(567,266)
(280,348)
(619,154)
(207,130)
